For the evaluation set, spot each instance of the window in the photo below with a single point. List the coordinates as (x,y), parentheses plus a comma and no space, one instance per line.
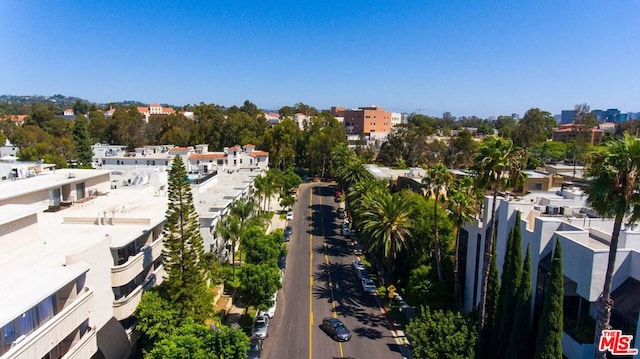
(9,330)
(536,186)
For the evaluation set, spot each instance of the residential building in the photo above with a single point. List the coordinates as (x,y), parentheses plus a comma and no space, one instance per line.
(560,215)
(77,256)
(569,131)
(155,109)
(68,112)
(8,151)
(17,119)
(372,121)
(396,119)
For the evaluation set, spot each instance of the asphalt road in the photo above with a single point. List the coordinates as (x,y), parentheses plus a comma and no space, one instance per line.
(319,282)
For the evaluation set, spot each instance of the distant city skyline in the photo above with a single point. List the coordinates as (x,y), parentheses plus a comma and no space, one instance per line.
(480,58)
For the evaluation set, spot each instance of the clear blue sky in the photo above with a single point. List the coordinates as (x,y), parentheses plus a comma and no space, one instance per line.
(479,58)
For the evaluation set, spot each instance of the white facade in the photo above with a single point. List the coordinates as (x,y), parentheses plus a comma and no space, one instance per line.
(545,218)
(77,255)
(396,118)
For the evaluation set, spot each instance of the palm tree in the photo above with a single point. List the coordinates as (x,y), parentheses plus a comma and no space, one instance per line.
(244,209)
(614,192)
(463,205)
(353,171)
(386,226)
(361,193)
(497,166)
(229,228)
(437,182)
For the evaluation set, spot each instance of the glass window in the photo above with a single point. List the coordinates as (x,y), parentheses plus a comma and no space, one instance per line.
(9,330)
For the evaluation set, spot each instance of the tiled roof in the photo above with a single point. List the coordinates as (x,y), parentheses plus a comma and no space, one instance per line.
(249,146)
(206,156)
(259,154)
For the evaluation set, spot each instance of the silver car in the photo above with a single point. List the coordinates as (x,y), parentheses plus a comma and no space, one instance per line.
(260,327)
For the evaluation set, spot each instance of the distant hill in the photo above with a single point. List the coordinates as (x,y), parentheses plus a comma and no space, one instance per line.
(17,105)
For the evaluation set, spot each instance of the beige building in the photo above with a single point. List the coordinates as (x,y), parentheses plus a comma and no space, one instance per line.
(77,255)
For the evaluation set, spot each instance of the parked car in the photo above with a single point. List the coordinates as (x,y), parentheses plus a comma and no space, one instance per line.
(282,262)
(362,273)
(341,213)
(335,329)
(272,310)
(357,249)
(288,230)
(346,231)
(357,265)
(255,348)
(260,328)
(368,286)
(289,216)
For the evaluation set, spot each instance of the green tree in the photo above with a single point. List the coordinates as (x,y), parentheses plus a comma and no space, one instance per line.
(462,148)
(82,140)
(614,192)
(186,284)
(535,127)
(493,293)
(520,336)
(260,247)
(281,142)
(509,285)
(258,282)
(229,228)
(438,334)
(245,209)
(498,165)
(323,134)
(156,317)
(437,183)
(199,341)
(386,227)
(549,341)
(462,206)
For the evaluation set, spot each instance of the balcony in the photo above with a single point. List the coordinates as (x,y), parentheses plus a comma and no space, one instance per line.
(124,307)
(124,273)
(55,330)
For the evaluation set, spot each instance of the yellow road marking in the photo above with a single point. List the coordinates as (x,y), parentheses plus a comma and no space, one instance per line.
(311,275)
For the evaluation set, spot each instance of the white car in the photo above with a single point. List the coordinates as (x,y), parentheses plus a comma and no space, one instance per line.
(289,216)
(272,311)
(357,265)
(368,286)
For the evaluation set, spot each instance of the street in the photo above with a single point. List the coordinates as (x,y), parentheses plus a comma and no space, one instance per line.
(320,282)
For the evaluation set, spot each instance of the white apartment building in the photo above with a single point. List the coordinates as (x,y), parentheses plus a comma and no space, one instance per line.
(155,109)
(560,215)
(76,257)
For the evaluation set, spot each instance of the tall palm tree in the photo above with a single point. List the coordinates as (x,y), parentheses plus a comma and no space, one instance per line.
(353,171)
(386,227)
(462,206)
(244,209)
(437,183)
(498,166)
(229,228)
(361,193)
(614,193)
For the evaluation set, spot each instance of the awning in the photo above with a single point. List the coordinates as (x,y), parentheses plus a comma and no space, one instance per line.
(113,342)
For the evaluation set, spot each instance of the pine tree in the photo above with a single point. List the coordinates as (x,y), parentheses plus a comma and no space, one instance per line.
(493,289)
(186,285)
(82,140)
(511,273)
(520,341)
(549,342)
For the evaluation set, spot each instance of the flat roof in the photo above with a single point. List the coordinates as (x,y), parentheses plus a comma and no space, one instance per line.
(46,180)
(217,195)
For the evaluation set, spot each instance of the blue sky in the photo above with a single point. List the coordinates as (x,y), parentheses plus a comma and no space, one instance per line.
(480,58)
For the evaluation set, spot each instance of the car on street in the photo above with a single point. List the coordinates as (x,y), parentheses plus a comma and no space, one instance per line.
(357,265)
(272,310)
(260,328)
(341,213)
(288,230)
(362,273)
(255,348)
(346,231)
(289,216)
(368,286)
(282,262)
(336,329)
(357,249)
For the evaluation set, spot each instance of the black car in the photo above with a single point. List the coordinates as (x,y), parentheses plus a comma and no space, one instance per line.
(255,348)
(341,213)
(336,329)
(287,233)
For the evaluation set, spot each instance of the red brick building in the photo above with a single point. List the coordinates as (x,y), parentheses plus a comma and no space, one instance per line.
(371,121)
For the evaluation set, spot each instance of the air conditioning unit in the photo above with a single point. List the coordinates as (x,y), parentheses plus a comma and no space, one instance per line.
(540,209)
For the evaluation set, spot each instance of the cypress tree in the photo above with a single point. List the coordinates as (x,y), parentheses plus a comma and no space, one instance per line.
(186,284)
(82,140)
(520,341)
(511,273)
(493,289)
(549,342)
